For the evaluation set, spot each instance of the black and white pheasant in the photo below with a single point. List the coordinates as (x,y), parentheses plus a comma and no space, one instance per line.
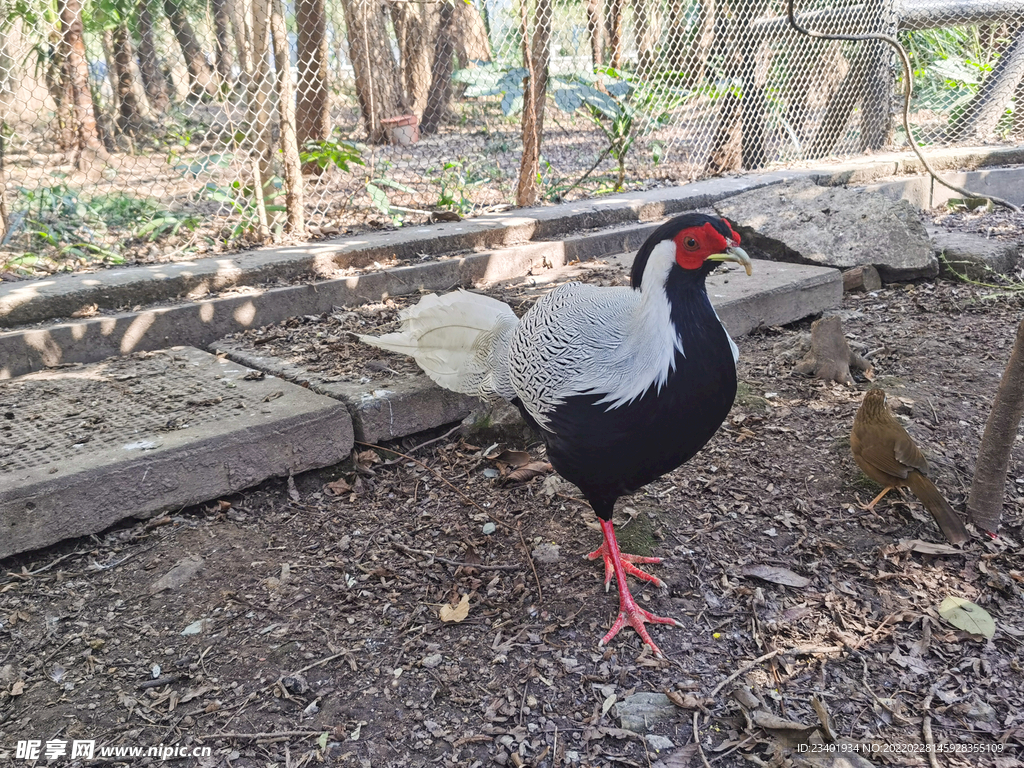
(624,384)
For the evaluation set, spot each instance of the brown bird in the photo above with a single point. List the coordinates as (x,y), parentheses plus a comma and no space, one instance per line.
(887,454)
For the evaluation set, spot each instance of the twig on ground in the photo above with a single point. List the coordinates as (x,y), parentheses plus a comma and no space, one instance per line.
(696,740)
(261,736)
(926,729)
(449,433)
(446,561)
(529,559)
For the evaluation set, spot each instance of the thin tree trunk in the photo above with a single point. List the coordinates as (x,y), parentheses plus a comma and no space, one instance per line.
(985,502)
(129,119)
(152,77)
(313,105)
(693,64)
(416,26)
(613,23)
(222,44)
(440,94)
(596,31)
(646,36)
(201,81)
(377,79)
(470,34)
(76,76)
(250,41)
(286,113)
(535,59)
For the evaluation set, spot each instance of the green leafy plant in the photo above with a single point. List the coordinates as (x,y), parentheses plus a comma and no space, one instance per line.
(455,180)
(340,154)
(241,201)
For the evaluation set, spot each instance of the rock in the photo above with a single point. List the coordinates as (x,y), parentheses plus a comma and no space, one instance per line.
(546,553)
(497,421)
(658,743)
(181,572)
(642,710)
(974,256)
(863,278)
(803,223)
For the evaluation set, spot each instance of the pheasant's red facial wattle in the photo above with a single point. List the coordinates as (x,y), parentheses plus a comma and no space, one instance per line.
(695,244)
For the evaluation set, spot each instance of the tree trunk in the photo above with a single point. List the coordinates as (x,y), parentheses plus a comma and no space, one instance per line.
(596,31)
(878,83)
(286,113)
(313,105)
(152,77)
(222,44)
(201,82)
(129,118)
(416,25)
(613,24)
(841,105)
(440,94)
(377,81)
(250,24)
(985,502)
(470,35)
(691,66)
(535,60)
(76,77)
(646,36)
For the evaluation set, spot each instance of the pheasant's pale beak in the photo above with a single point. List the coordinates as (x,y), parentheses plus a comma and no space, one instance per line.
(737,254)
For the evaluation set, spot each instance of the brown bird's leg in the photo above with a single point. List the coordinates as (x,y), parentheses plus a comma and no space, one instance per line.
(870,507)
(629,612)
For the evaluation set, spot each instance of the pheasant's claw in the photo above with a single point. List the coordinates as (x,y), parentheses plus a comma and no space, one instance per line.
(627,565)
(636,617)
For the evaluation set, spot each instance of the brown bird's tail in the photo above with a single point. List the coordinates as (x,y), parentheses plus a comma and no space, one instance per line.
(950,523)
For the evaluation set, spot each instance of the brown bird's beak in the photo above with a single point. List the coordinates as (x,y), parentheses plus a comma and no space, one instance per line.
(737,254)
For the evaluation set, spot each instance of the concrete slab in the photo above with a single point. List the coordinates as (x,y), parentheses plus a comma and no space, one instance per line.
(199,323)
(923,192)
(61,296)
(84,447)
(403,406)
(975,256)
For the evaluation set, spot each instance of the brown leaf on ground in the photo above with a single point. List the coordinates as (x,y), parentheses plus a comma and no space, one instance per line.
(455,613)
(776,575)
(338,487)
(513,459)
(528,472)
(180,572)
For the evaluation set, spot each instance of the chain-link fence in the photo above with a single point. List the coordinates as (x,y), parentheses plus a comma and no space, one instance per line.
(146,130)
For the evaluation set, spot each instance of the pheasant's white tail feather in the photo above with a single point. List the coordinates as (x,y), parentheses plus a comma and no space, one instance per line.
(460,340)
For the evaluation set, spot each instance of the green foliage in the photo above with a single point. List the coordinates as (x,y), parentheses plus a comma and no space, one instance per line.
(240,200)
(623,108)
(340,154)
(59,220)
(455,180)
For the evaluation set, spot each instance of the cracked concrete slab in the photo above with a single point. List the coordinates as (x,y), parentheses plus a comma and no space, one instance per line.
(84,447)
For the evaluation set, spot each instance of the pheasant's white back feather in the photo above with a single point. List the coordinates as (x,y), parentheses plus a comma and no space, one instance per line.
(460,340)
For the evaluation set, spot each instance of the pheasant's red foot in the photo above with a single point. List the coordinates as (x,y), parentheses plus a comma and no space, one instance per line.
(629,612)
(627,565)
(632,614)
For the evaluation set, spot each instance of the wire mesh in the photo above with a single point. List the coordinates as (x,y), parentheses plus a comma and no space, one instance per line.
(141,131)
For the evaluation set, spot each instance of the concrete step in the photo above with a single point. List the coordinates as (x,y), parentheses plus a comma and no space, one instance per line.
(83,447)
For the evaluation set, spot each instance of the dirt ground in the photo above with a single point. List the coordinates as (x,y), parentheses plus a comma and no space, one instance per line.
(301,623)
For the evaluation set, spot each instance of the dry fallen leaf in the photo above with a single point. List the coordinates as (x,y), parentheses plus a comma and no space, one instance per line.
(528,472)
(514,459)
(455,613)
(338,487)
(927,547)
(688,700)
(965,615)
(776,574)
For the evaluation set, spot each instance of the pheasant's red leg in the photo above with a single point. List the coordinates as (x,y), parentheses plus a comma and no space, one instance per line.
(629,612)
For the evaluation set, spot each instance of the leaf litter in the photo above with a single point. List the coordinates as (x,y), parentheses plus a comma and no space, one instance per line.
(315,635)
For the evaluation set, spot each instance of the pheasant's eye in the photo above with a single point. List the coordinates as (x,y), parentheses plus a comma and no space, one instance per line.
(690,244)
